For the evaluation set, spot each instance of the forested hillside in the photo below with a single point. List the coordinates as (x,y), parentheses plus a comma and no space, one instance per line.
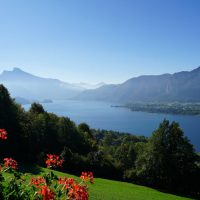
(166,160)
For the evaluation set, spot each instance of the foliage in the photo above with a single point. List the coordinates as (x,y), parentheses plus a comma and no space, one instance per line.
(166,160)
(47,187)
(104,189)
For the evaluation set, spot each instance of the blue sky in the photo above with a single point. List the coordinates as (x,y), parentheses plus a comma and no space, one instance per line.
(99,40)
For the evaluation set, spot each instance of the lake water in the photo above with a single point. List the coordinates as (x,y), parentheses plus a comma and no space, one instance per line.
(101,115)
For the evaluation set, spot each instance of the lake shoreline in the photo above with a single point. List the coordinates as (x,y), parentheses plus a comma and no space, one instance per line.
(190,109)
(100,115)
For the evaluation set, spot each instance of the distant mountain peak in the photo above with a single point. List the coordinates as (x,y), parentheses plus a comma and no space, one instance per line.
(182,86)
(19,71)
(16,69)
(196,70)
(26,85)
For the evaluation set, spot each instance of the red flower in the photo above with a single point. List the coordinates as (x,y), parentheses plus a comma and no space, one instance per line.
(78,192)
(62,180)
(70,181)
(10,163)
(37,181)
(3,134)
(46,193)
(54,161)
(66,182)
(85,176)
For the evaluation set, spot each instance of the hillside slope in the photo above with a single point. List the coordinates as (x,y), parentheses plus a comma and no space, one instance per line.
(104,189)
(26,85)
(182,86)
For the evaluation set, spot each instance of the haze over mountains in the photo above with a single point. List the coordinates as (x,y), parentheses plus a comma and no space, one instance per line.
(25,85)
(179,87)
(90,86)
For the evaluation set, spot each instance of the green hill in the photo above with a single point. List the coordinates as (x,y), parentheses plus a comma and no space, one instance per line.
(104,189)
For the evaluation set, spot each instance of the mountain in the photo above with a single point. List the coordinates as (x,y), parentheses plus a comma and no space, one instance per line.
(26,85)
(182,87)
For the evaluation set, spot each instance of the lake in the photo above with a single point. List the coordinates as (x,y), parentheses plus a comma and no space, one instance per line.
(101,115)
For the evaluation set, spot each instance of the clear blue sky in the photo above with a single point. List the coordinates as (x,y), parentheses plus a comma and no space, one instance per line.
(99,40)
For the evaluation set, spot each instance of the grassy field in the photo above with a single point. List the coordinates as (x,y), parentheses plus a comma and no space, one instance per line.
(115,190)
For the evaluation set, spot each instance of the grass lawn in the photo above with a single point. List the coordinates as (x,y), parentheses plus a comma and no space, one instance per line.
(104,189)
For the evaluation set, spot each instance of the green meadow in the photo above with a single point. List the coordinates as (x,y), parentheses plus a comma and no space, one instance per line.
(104,189)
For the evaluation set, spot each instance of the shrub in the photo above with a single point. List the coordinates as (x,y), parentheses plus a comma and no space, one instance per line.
(46,187)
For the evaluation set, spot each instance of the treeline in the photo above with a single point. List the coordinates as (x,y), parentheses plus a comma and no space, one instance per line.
(166,160)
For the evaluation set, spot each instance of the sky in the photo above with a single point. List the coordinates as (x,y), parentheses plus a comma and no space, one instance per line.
(99,40)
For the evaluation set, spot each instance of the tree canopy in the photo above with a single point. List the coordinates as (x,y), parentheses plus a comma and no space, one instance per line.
(166,160)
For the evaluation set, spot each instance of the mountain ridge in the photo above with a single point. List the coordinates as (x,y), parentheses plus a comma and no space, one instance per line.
(182,86)
(26,85)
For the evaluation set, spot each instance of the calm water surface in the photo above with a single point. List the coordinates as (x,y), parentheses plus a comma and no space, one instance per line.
(101,115)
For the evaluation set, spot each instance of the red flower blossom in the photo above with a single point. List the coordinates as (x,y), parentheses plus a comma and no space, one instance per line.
(46,193)
(10,163)
(70,181)
(85,176)
(37,181)
(66,182)
(78,192)
(54,161)
(62,180)
(3,134)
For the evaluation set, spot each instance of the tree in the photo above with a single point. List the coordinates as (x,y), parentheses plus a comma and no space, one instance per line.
(169,160)
(14,119)
(83,127)
(36,108)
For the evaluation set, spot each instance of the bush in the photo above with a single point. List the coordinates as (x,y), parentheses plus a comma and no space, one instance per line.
(46,187)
